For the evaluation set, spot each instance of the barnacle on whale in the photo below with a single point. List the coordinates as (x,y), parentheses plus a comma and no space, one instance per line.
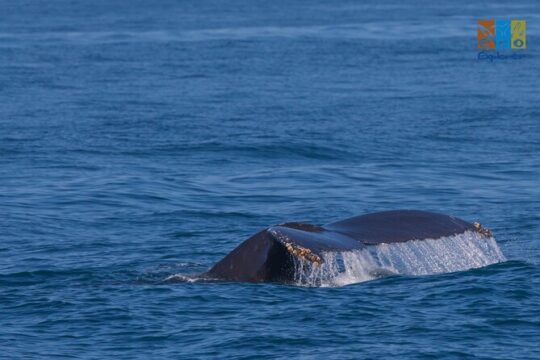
(303,253)
(482,230)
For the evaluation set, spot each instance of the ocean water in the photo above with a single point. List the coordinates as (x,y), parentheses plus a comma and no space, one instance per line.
(142,141)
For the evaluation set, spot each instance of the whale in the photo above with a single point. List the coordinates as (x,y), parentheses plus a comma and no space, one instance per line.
(270,254)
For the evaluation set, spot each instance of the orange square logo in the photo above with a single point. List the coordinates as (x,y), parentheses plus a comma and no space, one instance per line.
(486,34)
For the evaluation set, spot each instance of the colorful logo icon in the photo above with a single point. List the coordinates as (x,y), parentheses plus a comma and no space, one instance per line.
(502,34)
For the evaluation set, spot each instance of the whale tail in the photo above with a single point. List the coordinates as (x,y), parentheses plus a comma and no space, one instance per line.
(271,254)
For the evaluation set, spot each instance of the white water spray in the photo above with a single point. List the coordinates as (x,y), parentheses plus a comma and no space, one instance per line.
(417,257)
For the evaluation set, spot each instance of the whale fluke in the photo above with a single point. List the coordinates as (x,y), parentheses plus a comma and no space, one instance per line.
(270,254)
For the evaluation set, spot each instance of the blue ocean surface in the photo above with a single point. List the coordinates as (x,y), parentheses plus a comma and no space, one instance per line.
(142,141)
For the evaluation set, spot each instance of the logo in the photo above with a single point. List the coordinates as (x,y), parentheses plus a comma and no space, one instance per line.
(502,34)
